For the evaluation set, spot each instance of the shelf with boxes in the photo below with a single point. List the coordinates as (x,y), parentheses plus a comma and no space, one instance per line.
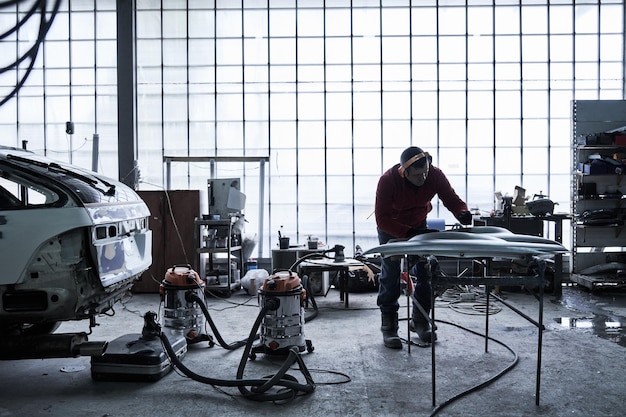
(601,160)
(218,253)
(598,202)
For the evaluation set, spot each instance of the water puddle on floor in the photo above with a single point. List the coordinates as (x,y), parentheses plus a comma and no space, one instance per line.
(604,327)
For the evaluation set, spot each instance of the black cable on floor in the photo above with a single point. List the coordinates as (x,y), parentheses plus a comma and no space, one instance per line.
(482,384)
(259,389)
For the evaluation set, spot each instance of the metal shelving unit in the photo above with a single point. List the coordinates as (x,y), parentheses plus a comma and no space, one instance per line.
(225,248)
(598,247)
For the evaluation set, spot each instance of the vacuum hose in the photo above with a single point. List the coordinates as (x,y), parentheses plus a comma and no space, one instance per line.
(258,387)
(190,297)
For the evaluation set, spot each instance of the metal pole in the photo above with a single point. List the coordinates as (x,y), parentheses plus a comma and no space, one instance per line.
(487,299)
(23,190)
(126,89)
(405,270)
(542,270)
(518,311)
(168,173)
(432,335)
(261,205)
(95,150)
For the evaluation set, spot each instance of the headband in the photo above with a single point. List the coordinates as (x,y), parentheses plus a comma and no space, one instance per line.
(411,161)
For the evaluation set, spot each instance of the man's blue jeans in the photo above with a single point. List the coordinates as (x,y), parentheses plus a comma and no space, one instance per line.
(389,286)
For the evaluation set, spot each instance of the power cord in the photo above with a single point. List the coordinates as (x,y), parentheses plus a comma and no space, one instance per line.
(467,300)
(178,234)
(482,384)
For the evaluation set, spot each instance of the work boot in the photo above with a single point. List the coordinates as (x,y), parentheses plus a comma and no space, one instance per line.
(390,330)
(420,325)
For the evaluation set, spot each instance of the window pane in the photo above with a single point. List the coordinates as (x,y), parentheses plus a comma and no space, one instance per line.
(480,161)
(485,87)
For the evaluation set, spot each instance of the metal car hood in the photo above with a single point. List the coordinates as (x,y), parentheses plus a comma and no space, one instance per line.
(473,242)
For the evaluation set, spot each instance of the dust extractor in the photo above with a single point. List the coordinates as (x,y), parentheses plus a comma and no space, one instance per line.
(180,291)
(282,296)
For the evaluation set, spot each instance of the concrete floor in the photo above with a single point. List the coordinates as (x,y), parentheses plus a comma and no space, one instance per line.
(583,370)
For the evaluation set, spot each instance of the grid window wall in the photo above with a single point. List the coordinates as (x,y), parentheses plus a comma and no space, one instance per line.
(331,92)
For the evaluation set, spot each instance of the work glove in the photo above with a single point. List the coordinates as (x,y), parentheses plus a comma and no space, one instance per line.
(464,217)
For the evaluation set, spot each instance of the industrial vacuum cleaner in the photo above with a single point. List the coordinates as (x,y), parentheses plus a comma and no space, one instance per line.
(282,297)
(153,353)
(142,356)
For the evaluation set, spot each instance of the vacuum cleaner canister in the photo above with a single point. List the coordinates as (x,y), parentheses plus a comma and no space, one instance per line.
(283,327)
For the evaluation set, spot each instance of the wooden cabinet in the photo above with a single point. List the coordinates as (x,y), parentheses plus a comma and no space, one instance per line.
(172,215)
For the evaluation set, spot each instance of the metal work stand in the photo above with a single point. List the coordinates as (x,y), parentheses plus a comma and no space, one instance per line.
(441,281)
(341,267)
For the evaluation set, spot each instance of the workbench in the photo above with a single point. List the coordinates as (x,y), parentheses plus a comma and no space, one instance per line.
(533,226)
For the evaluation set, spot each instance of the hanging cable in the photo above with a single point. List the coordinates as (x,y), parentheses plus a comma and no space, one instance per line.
(31,53)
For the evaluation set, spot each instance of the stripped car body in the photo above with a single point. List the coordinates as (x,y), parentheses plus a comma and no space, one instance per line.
(72,243)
